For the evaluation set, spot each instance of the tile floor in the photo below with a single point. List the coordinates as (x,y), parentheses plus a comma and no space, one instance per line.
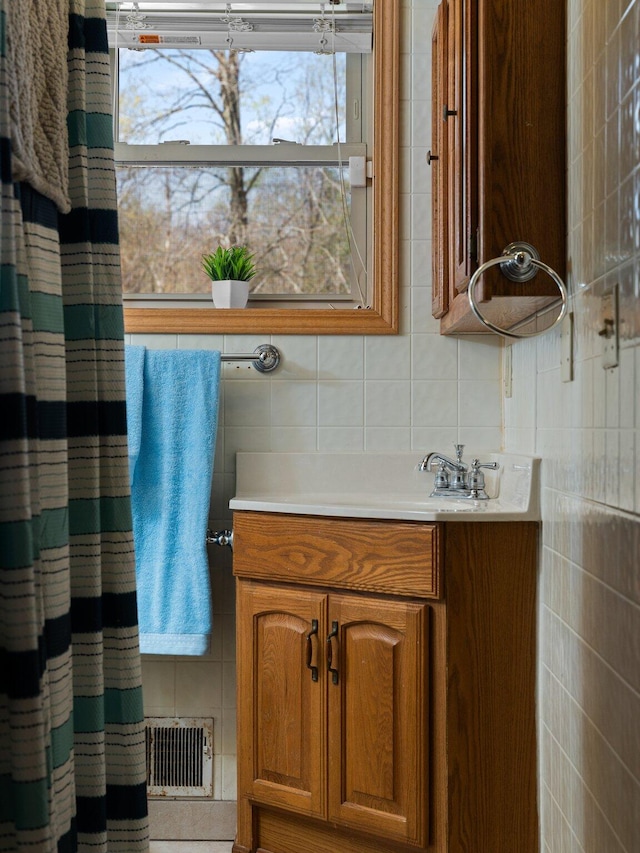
(190,847)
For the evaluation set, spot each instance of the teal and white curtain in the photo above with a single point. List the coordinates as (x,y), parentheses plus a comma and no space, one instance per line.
(72,753)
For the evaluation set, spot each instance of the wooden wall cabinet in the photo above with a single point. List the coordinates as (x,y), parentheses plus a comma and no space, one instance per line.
(497,154)
(375,714)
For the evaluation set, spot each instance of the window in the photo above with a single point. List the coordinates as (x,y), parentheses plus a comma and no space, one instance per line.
(267,148)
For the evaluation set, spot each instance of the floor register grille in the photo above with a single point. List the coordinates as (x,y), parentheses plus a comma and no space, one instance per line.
(179,756)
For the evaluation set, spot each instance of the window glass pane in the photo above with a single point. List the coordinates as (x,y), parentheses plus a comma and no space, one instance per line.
(212,97)
(291,218)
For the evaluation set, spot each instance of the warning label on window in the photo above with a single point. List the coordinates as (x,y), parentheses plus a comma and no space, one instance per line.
(150,38)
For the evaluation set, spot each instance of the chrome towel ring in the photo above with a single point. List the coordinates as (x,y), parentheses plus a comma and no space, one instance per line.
(518,262)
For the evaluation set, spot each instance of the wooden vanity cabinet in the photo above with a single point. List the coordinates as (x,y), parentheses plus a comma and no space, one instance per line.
(347,744)
(497,154)
(375,714)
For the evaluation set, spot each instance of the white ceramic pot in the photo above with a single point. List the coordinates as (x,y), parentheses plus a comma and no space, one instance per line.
(229,293)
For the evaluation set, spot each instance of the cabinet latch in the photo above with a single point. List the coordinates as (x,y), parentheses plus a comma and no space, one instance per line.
(473,247)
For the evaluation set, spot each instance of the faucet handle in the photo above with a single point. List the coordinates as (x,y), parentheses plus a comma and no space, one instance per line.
(442,477)
(475,477)
(476,463)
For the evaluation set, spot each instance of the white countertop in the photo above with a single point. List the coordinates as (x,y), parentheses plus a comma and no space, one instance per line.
(380,486)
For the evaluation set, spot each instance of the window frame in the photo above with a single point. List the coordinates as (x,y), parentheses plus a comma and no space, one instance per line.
(284,155)
(382,315)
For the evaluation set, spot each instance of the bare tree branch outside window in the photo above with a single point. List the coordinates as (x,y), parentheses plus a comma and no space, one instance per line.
(290,217)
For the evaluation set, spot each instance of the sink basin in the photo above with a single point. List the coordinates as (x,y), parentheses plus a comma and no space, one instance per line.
(374,485)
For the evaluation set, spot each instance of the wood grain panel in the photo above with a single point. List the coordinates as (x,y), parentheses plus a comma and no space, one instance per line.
(268,321)
(369,730)
(399,558)
(281,734)
(378,714)
(281,710)
(521,93)
(491,733)
(439,165)
(278,832)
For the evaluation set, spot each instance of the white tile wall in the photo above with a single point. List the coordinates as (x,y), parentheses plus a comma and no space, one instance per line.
(587,432)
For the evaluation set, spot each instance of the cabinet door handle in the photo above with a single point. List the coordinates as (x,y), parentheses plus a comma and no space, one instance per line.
(332,669)
(446,112)
(431,157)
(314,630)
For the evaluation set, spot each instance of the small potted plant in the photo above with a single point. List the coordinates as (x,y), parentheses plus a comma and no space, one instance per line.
(230,271)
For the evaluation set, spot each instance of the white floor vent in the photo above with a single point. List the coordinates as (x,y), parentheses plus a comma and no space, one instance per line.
(179,756)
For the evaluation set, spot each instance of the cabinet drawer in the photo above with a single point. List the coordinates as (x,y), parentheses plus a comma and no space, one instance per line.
(394,557)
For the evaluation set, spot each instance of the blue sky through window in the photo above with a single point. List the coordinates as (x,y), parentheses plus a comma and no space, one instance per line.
(288,95)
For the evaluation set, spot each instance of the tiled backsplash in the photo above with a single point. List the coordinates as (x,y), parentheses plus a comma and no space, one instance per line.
(587,433)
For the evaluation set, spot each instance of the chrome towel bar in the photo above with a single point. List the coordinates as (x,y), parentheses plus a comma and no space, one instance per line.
(264,358)
(224,538)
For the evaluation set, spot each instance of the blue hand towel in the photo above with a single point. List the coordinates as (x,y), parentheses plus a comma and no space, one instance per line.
(170,494)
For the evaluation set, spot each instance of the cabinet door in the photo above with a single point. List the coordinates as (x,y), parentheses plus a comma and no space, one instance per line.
(438,163)
(281,697)
(460,114)
(378,723)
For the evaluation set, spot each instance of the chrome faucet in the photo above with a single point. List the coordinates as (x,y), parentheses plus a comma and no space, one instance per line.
(453,477)
(450,477)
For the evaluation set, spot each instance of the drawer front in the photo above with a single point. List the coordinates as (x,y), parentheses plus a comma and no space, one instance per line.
(394,557)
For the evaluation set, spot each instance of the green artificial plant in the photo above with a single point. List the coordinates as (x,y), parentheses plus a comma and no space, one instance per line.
(234,263)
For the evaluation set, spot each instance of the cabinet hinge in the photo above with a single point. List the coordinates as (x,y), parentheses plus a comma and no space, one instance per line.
(473,247)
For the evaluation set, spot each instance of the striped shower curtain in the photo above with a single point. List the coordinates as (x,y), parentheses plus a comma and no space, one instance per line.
(72,756)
